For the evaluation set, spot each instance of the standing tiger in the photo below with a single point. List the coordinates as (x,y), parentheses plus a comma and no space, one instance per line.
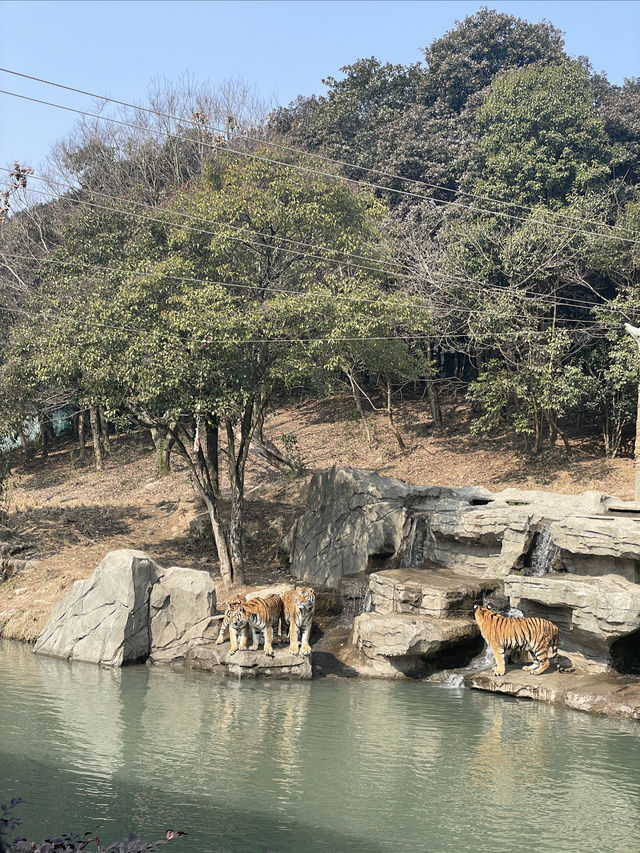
(505,633)
(299,605)
(261,615)
(243,631)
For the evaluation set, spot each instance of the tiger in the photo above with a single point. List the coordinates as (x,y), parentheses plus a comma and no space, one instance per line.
(261,615)
(232,605)
(299,606)
(505,633)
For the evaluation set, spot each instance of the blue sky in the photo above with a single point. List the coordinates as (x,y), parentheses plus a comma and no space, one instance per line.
(284,48)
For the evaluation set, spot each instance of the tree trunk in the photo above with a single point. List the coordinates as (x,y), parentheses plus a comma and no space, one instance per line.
(95,432)
(80,429)
(200,479)
(104,429)
(432,395)
(211,453)
(44,436)
(636,453)
(161,440)
(355,389)
(387,391)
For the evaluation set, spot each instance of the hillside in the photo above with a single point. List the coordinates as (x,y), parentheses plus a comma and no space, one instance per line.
(70,517)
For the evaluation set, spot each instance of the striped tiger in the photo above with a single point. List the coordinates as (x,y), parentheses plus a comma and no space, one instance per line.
(262,615)
(299,605)
(506,633)
(232,606)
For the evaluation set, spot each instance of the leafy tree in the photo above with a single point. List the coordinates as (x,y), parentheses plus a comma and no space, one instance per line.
(540,139)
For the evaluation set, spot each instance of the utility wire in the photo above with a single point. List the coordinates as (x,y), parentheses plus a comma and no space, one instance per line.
(298,151)
(308,170)
(426,305)
(445,279)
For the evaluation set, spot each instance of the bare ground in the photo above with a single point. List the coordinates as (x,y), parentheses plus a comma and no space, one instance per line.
(71,516)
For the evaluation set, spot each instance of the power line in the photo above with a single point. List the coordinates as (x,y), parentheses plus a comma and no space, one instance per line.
(308,170)
(445,279)
(291,149)
(224,224)
(339,296)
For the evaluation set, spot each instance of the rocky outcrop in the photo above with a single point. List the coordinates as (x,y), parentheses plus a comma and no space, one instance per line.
(357,521)
(608,694)
(593,613)
(104,619)
(130,609)
(182,609)
(403,634)
(435,592)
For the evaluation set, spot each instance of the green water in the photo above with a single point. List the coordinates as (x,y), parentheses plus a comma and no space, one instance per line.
(316,766)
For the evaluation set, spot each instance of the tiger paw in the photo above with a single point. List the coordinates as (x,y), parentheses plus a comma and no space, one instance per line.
(497,672)
(252,649)
(269,653)
(306,650)
(293,649)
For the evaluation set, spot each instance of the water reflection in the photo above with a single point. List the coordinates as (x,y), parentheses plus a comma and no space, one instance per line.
(332,766)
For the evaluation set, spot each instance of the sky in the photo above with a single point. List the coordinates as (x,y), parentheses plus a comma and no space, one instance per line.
(284,48)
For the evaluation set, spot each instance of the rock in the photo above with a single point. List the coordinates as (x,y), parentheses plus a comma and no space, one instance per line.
(593,613)
(613,695)
(597,546)
(356,521)
(435,592)
(247,664)
(182,613)
(397,635)
(104,619)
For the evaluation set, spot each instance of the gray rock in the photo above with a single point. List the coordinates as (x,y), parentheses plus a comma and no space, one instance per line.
(435,592)
(398,635)
(247,664)
(592,613)
(613,695)
(182,613)
(104,619)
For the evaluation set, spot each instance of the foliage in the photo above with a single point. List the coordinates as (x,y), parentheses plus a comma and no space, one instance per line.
(68,842)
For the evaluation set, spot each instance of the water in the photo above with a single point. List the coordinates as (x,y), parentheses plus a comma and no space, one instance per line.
(543,555)
(326,766)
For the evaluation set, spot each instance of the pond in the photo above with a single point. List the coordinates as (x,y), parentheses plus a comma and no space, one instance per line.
(327,766)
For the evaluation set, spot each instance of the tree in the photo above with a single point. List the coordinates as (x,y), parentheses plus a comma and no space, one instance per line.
(540,139)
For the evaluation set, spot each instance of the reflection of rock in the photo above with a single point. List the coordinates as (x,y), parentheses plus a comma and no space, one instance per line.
(104,619)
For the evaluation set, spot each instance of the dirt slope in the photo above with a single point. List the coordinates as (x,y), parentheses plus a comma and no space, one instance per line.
(70,516)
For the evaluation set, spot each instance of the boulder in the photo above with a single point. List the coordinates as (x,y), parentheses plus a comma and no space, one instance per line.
(248,664)
(594,614)
(182,613)
(437,592)
(404,634)
(104,619)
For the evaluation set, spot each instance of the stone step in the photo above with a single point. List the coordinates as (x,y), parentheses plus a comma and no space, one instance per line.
(437,592)
(400,634)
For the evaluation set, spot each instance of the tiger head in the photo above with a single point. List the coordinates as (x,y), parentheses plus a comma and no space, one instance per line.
(304,598)
(238,616)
